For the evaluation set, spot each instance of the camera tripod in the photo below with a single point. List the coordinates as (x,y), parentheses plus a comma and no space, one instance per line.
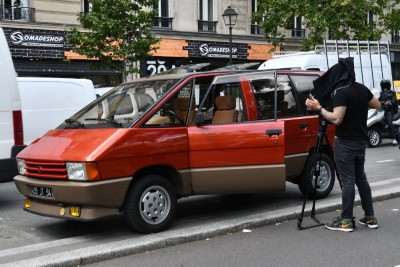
(316,158)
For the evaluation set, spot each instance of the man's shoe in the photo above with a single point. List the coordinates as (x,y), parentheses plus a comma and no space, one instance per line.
(371,222)
(340,224)
(394,142)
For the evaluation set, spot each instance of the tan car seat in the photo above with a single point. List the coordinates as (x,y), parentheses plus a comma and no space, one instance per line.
(226,111)
(181,106)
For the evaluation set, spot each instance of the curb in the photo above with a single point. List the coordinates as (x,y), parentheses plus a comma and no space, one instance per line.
(174,237)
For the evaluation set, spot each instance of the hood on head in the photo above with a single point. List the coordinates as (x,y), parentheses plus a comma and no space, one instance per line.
(339,75)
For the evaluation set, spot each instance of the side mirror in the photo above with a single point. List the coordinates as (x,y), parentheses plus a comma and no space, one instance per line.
(198,118)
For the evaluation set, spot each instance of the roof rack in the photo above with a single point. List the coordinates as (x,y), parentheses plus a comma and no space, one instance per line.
(352,47)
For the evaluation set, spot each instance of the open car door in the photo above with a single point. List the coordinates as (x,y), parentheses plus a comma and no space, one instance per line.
(230,150)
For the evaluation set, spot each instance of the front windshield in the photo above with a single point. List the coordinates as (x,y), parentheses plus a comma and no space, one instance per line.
(121,106)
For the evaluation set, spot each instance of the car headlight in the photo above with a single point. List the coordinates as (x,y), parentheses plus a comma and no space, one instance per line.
(82,171)
(21,166)
(76,171)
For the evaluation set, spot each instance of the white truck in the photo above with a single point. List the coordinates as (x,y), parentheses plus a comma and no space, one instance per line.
(371,60)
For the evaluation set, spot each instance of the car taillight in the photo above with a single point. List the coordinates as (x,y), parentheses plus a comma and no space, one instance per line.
(18,128)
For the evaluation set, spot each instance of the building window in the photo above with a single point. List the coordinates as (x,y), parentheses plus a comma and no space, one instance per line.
(86,6)
(298,30)
(396,36)
(255,27)
(162,20)
(16,10)
(370,18)
(206,21)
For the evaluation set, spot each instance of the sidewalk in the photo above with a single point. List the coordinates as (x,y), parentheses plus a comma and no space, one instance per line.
(179,236)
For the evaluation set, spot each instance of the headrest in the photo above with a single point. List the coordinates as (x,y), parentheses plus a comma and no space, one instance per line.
(225,102)
(182,103)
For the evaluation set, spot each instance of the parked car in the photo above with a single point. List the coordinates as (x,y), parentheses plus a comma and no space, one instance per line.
(222,132)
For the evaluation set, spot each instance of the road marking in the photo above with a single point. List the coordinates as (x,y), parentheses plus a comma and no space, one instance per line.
(45,245)
(386,160)
(390,181)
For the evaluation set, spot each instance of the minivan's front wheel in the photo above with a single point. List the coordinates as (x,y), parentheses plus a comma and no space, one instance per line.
(325,181)
(150,204)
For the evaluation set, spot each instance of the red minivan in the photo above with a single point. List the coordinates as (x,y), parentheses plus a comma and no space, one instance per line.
(146,143)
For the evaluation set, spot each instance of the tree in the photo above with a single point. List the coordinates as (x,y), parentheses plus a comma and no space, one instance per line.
(115,31)
(327,19)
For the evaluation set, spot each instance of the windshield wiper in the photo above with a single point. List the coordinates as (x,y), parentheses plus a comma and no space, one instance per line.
(74,124)
(112,121)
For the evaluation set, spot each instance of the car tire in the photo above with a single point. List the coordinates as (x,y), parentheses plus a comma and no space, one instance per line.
(150,204)
(326,178)
(374,137)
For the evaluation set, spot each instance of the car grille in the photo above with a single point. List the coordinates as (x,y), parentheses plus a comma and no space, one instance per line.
(51,170)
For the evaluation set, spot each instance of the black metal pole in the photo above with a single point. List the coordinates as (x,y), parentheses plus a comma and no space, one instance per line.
(230,44)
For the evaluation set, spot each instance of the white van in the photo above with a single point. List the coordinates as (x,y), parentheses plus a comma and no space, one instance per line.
(11,133)
(47,102)
(371,60)
(29,107)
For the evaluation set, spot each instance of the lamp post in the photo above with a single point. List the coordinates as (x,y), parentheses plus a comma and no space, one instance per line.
(230,17)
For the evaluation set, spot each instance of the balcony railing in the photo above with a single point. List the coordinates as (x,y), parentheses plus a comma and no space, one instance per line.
(17,13)
(256,29)
(207,26)
(298,33)
(162,22)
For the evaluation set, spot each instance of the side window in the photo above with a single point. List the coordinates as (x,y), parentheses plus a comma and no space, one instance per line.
(143,101)
(223,103)
(181,108)
(125,107)
(174,111)
(304,86)
(264,93)
(286,101)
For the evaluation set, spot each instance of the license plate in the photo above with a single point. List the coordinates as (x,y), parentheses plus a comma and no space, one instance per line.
(41,191)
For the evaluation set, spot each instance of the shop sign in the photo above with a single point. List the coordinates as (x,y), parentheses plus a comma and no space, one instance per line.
(19,38)
(216,51)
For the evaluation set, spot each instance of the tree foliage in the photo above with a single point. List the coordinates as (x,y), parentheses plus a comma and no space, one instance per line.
(115,31)
(327,19)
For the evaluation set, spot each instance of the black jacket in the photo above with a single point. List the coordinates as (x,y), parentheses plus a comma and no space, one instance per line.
(388,100)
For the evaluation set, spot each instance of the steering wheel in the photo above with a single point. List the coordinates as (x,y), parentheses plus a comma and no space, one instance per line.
(172,115)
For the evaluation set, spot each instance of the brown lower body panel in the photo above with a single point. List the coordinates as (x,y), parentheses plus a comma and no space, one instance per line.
(95,199)
(239,179)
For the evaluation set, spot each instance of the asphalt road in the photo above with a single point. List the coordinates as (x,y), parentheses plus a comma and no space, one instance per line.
(31,240)
(281,244)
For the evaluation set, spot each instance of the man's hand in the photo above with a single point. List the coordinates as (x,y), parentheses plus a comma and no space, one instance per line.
(313,103)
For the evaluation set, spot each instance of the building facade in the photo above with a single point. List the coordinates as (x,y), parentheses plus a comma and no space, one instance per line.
(191,31)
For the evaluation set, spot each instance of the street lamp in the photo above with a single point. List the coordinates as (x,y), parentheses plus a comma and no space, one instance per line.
(230,17)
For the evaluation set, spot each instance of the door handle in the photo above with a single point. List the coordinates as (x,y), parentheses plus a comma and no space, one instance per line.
(303,125)
(274,132)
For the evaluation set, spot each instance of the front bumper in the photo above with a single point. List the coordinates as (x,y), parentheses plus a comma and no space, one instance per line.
(94,199)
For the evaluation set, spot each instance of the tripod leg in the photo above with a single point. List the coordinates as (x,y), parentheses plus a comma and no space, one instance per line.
(316,174)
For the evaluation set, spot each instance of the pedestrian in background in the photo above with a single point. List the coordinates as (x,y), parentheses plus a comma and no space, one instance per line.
(389,105)
(350,103)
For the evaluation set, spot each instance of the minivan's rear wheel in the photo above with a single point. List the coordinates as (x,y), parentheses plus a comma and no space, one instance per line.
(325,180)
(374,137)
(150,204)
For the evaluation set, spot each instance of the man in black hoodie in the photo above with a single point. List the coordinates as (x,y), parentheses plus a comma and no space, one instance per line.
(345,103)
